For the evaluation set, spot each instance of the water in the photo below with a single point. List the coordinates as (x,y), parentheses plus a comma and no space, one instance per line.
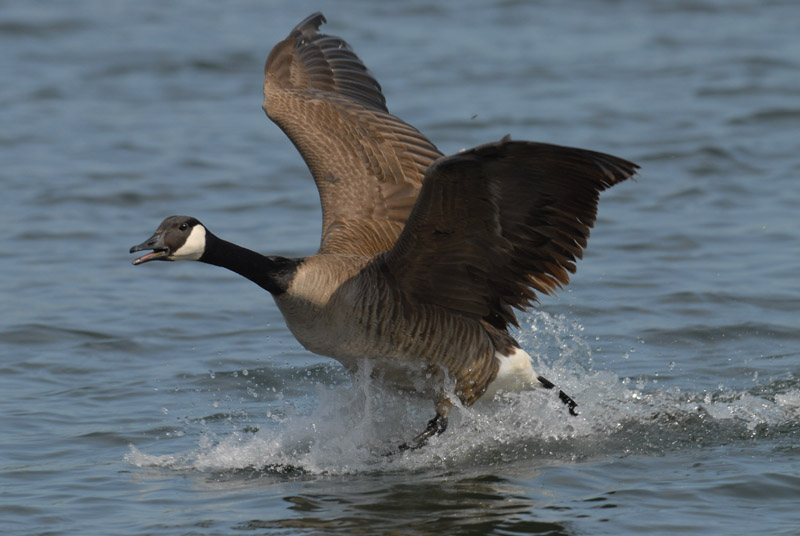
(172,400)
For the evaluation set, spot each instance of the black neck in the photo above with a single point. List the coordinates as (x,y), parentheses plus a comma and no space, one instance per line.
(270,273)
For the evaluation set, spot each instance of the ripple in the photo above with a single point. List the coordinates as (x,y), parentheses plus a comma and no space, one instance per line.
(113,198)
(772,116)
(27,334)
(42,29)
(160,65)
(698,333)
(32,335)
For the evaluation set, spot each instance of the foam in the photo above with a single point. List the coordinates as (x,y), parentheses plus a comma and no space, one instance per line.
(350,429)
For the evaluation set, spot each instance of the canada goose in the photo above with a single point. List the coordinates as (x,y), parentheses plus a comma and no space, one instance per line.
(422,256)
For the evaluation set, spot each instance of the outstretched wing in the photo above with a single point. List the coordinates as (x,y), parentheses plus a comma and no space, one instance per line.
(496,224)
(368,164)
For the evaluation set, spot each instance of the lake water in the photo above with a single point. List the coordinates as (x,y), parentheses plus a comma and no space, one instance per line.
(172,400)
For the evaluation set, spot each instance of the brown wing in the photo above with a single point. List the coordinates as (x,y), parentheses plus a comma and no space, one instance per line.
(496,224)
(368,164)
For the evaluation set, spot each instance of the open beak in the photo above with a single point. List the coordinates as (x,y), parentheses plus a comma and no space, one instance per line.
(156,243)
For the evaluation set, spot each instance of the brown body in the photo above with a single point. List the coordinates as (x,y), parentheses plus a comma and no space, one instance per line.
(411,345)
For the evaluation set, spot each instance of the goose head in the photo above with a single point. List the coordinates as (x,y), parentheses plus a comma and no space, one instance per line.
(178,238)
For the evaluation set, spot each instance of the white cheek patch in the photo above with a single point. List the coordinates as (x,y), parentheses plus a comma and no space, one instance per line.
(194,246)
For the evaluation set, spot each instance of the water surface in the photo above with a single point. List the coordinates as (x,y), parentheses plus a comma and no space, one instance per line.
(172,399)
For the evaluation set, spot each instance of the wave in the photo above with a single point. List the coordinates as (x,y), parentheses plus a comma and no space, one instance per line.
(351,428)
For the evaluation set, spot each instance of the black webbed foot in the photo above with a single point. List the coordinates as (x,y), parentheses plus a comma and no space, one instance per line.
(436,426)
(564,397)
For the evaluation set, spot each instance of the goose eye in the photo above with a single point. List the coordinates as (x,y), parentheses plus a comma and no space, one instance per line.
(183,226)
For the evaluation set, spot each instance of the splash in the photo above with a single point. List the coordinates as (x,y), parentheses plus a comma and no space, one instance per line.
(352,428)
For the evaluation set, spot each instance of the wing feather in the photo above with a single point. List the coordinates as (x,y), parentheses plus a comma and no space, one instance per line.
(368,165)
(497,224)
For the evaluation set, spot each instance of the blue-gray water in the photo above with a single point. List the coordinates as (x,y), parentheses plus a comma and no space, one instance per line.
(171,399)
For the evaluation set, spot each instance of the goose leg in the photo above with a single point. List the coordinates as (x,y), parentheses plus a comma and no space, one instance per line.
(564,397)
(436,426)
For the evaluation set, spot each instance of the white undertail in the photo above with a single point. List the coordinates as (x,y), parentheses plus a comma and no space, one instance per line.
(516,373)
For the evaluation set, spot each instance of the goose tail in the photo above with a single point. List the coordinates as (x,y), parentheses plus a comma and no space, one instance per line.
(516,373)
